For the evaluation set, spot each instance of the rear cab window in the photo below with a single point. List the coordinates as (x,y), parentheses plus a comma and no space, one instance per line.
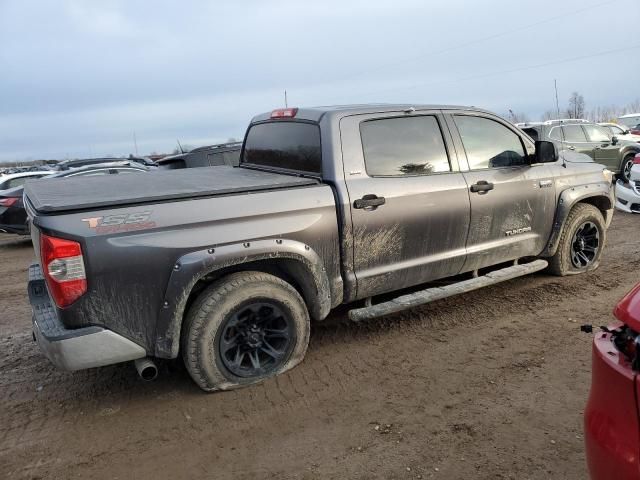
(284,145)
(404,146)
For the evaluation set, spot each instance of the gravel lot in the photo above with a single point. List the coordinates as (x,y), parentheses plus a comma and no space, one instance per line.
(487,385)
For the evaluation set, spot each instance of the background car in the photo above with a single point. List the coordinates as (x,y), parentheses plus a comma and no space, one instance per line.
(612,436)
(623,133)
(591,139)
(629,120)
(628,193)
(209,156)
(13,180)
(13,217)
(83,162)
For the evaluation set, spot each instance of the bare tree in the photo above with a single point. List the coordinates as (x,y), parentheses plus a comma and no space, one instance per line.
(549,115)
(576,106)
(517,117)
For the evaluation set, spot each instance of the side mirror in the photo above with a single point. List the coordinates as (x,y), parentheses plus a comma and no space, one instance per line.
(546,152)
(614,140)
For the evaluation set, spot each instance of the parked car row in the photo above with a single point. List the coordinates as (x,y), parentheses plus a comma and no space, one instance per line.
(596,141)
(13,217)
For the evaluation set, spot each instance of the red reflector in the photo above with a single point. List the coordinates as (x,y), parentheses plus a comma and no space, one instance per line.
(284,113)
(63,269)
(636,159)
(628,309)
(7,202)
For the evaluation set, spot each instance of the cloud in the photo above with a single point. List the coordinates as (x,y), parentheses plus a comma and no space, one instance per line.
(78,78)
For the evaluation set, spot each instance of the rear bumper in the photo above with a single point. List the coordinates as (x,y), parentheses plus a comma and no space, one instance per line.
(611,416)
(74,349)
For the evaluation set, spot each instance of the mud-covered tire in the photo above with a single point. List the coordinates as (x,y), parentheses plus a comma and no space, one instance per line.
(209,317)
(582,214)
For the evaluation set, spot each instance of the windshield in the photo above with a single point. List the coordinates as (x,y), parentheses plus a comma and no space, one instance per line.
(285,145)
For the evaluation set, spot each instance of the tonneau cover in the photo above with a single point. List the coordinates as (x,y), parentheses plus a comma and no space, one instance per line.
(79,193)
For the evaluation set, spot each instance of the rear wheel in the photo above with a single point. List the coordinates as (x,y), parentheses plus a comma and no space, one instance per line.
(581,241)
(625,171)
(242,329)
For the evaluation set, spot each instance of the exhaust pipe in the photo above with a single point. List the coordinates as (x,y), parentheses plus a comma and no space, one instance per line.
(146,369)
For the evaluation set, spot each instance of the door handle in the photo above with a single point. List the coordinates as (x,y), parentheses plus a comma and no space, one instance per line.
(571,147)
(481,187)
(369,202)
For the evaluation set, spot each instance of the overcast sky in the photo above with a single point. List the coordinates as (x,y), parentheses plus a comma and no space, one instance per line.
(78,78)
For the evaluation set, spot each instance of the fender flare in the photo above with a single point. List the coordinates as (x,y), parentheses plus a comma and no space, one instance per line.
(600,192)
(194,266)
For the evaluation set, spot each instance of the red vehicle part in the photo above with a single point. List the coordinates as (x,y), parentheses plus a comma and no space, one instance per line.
(611,422)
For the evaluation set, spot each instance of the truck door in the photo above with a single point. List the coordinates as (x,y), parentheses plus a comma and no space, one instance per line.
(512,202)
(409,202)
(605,152)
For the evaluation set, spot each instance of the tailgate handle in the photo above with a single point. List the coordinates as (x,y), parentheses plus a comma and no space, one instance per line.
(481,187)
(369,202)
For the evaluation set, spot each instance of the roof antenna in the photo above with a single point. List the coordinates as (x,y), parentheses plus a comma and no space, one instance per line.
(181,149)
(555,85)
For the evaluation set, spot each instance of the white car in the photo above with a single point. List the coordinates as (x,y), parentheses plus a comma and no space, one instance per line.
(621,132)
(628,194)
(16,179)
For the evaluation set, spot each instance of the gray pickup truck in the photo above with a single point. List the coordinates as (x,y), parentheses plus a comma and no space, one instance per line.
(359,205)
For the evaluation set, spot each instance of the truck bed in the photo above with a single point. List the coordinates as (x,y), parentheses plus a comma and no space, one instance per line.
(79,193)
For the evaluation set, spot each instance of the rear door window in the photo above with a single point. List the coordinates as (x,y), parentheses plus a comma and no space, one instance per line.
(556,133)
(574,133)
(284,145)
(404,146)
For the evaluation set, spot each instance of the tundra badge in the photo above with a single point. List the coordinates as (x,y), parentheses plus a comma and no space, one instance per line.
(516,231)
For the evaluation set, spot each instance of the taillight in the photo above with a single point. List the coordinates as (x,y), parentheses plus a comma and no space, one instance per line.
(7,202)
(636,159)
(284,113)
(63,269)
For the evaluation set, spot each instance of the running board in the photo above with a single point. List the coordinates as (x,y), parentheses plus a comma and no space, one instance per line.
(430,294)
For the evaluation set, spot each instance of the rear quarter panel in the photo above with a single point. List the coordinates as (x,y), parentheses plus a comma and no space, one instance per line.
(128,271)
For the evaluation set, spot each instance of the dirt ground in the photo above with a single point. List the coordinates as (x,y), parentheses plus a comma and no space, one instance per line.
(488,385)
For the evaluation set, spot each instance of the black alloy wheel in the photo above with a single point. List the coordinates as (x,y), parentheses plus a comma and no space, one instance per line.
(585,245)
(256,339)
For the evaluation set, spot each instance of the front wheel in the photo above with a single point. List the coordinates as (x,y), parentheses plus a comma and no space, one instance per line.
(581,242)
(244,328)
